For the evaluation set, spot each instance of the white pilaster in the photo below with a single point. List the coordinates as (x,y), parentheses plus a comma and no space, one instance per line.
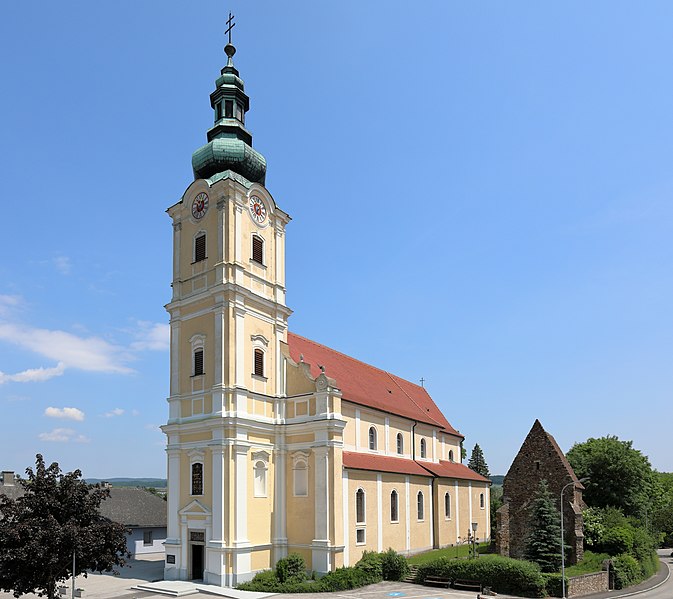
(239,316)
(432,513)
(379,509)
(175,362)
(357,428)
(320,553)
(469,501)
(346,509)
(407,518)
(280,501)
(457,514)
(387,435)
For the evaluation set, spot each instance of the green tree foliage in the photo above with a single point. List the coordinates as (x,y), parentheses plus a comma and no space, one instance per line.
(477,461)
(619,475)
(543,545)
(39,531)
(662,514)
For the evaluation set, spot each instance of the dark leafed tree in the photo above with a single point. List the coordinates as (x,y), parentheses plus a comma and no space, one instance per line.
(619,475)
(39,531)
(543,545)
(477,462)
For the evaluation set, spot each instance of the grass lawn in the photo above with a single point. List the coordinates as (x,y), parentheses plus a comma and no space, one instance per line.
(449,552)
(592,562)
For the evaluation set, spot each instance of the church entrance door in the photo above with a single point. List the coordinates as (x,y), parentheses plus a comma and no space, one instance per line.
(197,562)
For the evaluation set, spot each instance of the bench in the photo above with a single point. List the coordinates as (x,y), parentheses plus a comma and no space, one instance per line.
(468,585)
(438,581)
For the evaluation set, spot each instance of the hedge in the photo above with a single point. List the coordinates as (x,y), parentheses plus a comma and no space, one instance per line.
(502,574)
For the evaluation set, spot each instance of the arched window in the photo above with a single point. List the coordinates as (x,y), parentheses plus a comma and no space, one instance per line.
(420,505)
(481,501)
(257,249)
(450,455)
(394,507)
(198,361)
(260,479)
(300,473)
(372,438)
(197,478)
(360,506)
(400,444)
(200,247)
(259,363)
(423,450)
(447,505)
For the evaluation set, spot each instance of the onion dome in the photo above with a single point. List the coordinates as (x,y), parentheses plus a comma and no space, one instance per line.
(229,144)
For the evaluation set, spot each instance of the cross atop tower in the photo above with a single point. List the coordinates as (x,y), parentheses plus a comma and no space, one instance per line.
(231,25)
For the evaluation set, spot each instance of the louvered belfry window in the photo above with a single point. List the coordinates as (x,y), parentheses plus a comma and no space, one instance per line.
(197,479)
(198,362)
(200,248)
(257,249)
(259,362)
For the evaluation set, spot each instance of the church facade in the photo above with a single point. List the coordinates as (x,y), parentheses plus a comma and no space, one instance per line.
(275,443)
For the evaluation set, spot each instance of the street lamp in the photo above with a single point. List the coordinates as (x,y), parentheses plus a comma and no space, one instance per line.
(474,539)
(563,552)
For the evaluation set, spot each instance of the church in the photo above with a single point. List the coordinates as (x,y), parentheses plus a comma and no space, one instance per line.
(277,444)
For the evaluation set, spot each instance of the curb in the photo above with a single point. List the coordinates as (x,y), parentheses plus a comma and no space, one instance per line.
(656,586)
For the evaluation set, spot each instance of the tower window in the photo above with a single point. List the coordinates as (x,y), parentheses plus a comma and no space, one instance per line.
(372,438)
(197,479)
(423,449)
(450,455)
(400,443)
(198,362)
(481,501)
(420,505)
(394,507)
(260,479)
(259,363)
(360,507)
(200,248)
(257,249)
(300,473)
(447,505)
(239,112)
(229,109)
(219,110)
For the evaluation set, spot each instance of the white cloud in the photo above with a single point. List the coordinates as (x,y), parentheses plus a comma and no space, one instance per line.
(84,353)
(63,435)
(62,264)
(152,336)
(8,302)
(113,413)
(33,375)
(135,412)
(65,413)
(153,427)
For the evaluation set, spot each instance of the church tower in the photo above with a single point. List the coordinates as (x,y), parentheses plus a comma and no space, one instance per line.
(228,319)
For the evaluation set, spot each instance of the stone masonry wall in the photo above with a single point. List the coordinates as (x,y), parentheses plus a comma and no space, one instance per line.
(587,584)
(539,458)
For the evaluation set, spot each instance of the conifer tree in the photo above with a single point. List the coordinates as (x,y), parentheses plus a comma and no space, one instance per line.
(477,462)
(543,545)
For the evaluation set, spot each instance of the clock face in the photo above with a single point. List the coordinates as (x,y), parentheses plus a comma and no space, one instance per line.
(257,210)
(200,206)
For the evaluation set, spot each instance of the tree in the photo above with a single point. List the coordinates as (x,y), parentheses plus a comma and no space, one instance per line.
(477,462)
(39,531)
(619,476)
(543,545)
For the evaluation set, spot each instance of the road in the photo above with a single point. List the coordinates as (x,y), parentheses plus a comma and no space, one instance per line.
(665,591)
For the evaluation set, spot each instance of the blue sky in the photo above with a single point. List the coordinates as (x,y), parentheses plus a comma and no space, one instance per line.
(480,192)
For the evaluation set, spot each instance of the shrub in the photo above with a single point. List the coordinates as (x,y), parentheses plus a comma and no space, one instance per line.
(502,574)
(617,540)
(393,565)
(627,571)
(291,569)
(344,579)
(371,563)
(553,584)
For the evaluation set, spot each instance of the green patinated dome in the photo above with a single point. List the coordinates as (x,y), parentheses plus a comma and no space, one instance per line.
(229,146)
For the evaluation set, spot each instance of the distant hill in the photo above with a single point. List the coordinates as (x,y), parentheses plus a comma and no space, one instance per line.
(157,483)
(497,479)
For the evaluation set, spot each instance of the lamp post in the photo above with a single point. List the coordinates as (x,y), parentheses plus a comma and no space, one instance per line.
(563,552)
(474,539)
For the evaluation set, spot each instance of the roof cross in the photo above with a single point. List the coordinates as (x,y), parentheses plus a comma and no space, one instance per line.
(231,26)
(422,381)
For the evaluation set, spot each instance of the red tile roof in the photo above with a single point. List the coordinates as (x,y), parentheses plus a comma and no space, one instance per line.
(369,386)
(382,463)
(446,469)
